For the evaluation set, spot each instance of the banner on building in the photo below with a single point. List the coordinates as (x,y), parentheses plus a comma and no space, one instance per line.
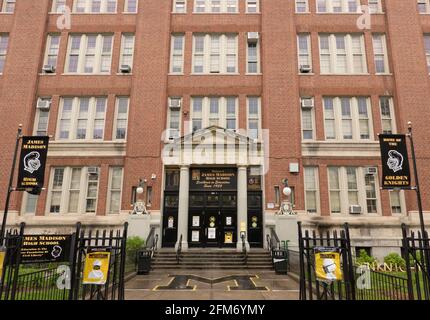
(327,264)
(32,162)
(96,267)
(395,162)
(46,248)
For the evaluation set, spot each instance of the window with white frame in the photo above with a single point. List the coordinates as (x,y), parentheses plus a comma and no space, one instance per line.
(216,6)
(130,6)
(95,6)
(4,41)
(342,54)
(215,53)
(7,6)
(73,190)
(58,6)
(42,116)
(388,118)
(304,52)
(308,122)
(254,117)
(375,6)
(180,6)
(174,117)
(380,53)
(311,189)
(352,187)
(338,6)
(426,46)
(121,118)
(214,111)
(302,6)
(115,188)
(82,118)
(177,54)
(127,50)
(396,201)
(30,203)
(89,54)
(347,118)
(51,51)
(423,6)
(252,6)
(253,56)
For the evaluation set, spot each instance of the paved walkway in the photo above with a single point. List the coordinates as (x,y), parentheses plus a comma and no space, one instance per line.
(212,285)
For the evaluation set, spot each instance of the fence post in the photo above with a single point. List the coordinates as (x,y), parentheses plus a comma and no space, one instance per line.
(122,266)
(351,268)
(74,248)
(301,264)
(17,261)
(405,253)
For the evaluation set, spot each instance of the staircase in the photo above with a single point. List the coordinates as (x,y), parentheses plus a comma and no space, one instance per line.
(212,259)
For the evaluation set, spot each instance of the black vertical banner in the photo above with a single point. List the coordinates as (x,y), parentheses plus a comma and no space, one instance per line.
(395,162)
(32,162)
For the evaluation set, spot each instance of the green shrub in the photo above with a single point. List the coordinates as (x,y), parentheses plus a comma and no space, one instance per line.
(364,258)
(133,244)
(395,259)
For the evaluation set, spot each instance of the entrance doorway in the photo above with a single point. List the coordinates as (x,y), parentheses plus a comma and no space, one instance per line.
(212,219)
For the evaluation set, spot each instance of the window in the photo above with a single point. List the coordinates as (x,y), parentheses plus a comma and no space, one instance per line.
(121,118)
(253,57)
(58,6)
(51,52)
(387,115)
(396,201)
(174,118)
(42,117)
(148,196)
(130,6)
(252,6)
(214,111)
(127,50)
(307,121)
(82,118)
(426,45)
(73,190)
(277,196)
(4,40)
(95,6)
(347,118)
(89,53)
(30,203)
(115,187)
(302,6)
(254,124)
(311,189)
(177,54)
(375,6)
(215,53)
(342,54)
(352,186)
(7,6)
(423,6)
(215,6)
(338,6)
(380,53)
(179,6)
(304,51)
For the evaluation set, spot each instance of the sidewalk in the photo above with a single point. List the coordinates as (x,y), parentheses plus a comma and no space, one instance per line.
(212,285)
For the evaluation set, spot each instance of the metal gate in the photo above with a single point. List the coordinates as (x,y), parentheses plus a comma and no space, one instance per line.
(63,281)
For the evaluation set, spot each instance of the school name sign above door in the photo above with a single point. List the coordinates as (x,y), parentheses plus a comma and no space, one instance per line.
(213,179)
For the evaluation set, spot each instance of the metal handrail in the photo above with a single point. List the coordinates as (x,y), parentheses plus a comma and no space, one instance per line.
(179,250)
(274,240)
(269,241)
(152,241)
(244,251)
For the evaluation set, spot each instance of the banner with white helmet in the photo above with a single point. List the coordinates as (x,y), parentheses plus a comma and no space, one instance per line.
(32,163)
(395,162)
(327,264)
(96,267)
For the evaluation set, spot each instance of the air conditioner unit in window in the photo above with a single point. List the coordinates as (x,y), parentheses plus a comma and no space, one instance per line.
(125,68)
(47,68)
(355,209)
(305,68)
(307,103)
(253,37)
(175,103)
(43,104)
(370,171)
(93,170)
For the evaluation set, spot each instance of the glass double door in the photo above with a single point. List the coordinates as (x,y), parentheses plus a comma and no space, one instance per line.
(212,219)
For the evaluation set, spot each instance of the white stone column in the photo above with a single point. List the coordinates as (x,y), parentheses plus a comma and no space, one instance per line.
(184,187)
(242,205)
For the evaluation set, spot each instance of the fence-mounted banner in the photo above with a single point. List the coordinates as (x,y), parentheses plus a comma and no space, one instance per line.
(2,258)
(395,162)
(96,267)
(327,264)
(32,162)
(46,248)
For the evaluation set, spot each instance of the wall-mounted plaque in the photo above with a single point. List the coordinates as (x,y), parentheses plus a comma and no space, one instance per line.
(213,179)
(196,221)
